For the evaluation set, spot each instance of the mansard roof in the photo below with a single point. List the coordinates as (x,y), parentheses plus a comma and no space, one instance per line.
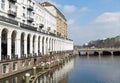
(44,4)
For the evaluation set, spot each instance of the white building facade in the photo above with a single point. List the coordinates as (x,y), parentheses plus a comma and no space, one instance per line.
(21,25)
(25,30)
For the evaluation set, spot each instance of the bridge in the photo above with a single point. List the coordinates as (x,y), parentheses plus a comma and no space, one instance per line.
(100,51)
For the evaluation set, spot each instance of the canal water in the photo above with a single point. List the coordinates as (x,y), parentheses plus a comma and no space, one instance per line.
(82,69)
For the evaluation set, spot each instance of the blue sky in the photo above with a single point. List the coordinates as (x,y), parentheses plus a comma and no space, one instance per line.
(90,19)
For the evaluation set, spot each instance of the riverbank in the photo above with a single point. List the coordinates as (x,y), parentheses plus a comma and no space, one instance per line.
(25,64)
(45,67)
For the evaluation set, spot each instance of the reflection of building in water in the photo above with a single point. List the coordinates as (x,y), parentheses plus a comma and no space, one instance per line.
(57,75)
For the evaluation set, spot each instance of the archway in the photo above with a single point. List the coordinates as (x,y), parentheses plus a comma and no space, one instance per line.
(4,44)
(28,44)
(46,45)
(34,39)
(116,53)
(39,45)
(43,45)
(22,44)
(13,44)
(50,45)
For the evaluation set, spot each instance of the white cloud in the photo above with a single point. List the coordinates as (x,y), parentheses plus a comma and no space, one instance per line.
(70,22)
(108,18)
(104,26)
(69,8)
(84,9)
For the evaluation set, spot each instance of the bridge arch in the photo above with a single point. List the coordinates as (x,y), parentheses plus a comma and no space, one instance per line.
(116,52)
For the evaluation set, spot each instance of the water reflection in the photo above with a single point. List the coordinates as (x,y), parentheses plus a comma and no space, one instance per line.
(18,78)
(96,69)
(57,75)
(83,69)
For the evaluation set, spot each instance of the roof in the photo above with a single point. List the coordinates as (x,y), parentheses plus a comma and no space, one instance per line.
(50,4)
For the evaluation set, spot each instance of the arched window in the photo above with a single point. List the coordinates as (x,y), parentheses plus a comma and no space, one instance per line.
(4,44)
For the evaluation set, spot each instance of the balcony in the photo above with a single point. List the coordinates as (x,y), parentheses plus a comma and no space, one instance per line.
(12,13)
(30,8)
(28,27)
(30,19)
(41,26)
(8,20)
(14,1)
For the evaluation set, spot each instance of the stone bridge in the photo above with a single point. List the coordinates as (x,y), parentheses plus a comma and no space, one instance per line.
(100,51)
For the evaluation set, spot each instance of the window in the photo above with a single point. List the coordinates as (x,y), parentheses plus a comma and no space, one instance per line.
(28,62)
(3,4)
(22,1)
(5,68)
(12,7)
(14,80)
(23,63)
(6,81)
(30,13)
(23,11)
(29,1)
(14,65)
(23,21)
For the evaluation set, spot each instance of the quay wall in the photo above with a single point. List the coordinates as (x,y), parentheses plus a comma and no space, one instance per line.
(21,65)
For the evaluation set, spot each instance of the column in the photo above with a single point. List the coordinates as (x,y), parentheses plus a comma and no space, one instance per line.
(48,48)
(25,45)
(41,45)
(36,46)
(9,46)
(17,45)
(31,45)
(60,45)
(53,45)
(0,46)
(44,46)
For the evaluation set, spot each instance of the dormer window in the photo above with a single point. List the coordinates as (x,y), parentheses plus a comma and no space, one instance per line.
(13,1)
(3,4)
(41,26)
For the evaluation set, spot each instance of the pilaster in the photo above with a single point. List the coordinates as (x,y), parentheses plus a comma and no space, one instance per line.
(25,45)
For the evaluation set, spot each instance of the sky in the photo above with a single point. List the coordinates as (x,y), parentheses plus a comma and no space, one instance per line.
(90,20)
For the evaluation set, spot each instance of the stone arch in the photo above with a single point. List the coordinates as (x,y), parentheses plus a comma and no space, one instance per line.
(43,45)
(28,43)
(39,45)
(54,45)
(4,35)
(55,42)
(50,44)
(22,43)
(46,45)
(116,53)
(13,43)
(106,53)
(34,40)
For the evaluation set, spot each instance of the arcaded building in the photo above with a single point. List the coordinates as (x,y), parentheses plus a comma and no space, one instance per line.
(28,30)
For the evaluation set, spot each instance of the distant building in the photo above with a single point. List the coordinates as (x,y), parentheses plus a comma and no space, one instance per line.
(61,21)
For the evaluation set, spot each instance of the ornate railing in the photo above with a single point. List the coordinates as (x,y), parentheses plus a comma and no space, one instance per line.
(28,27)
(8,20)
